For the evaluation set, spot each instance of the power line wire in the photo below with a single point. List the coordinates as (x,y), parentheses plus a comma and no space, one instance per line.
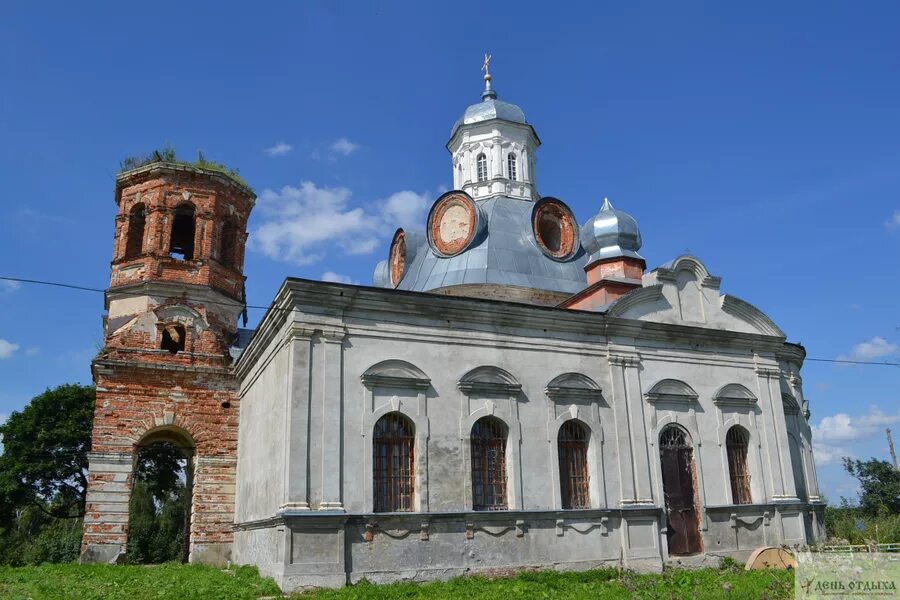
(273,307)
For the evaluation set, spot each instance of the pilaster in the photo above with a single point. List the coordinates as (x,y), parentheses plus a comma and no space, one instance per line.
(778,455)
(631,430)
(332,374)
(106,508)
(296,425)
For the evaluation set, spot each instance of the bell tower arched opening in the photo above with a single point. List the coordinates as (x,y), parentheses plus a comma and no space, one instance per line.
(159,512)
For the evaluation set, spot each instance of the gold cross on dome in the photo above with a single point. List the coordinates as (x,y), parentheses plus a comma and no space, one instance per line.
(486,64)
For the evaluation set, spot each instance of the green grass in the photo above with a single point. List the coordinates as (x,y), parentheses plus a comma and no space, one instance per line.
(169,581)
(184,582)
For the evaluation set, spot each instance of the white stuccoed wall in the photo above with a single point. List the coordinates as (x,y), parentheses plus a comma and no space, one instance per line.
(304,496)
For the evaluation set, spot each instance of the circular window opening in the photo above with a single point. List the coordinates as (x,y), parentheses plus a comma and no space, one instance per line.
(398,257)
(452,223)
(554,229)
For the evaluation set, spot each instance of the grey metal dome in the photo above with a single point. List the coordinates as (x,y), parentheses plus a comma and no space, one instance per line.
(504,254)
(610,233)
(490,108)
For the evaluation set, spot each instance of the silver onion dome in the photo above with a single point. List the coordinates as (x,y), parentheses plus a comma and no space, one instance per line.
(611,233)
(489,108)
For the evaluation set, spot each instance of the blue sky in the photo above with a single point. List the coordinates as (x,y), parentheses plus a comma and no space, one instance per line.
(762,138)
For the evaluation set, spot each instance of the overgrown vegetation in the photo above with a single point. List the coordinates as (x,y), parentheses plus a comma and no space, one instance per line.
(167,154)
(159,507)
(187,582)
(43,476)
(875,517)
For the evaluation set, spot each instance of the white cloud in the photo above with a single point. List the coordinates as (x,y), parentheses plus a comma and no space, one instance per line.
(343,146)
(7,349)
(827,454)
(302,225)
(9,286)
(877,347)
(32,351)
(894,221)
(834,433)
(279,149)
(336,277)
(405,209)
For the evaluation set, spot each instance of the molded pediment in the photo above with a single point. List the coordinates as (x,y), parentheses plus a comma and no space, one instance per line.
(683,292)
(573,385)
(734,394)
(672,390)
(791,406)
(395,373)
(181,314)
(489,379)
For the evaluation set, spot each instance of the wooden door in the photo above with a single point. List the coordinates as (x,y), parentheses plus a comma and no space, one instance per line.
(676,455)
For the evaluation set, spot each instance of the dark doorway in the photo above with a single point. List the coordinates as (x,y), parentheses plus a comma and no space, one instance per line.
(676,455)
(160,508)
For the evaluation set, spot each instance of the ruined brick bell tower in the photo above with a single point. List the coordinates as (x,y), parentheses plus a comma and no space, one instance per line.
(164,375)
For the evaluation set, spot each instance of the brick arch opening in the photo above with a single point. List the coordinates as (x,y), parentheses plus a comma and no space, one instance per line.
(160,506)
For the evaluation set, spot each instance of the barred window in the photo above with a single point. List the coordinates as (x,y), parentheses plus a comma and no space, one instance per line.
(489,464)
(573,472)
(511,166)
(736,441)
(134,242)
(481,167)
(393,463)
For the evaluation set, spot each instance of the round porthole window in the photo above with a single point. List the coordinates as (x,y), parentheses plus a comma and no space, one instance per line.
(555,229)
(452,223)
(398,257)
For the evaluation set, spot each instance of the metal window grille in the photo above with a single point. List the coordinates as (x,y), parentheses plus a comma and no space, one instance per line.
(736,442)
(489,464)
(511,166)
(481,166)
(673,437)
(573,472)
(393,464)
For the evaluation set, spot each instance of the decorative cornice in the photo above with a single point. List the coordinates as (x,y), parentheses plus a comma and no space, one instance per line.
(734,394)
(395,373)
(487,387)
(375,380)
(564,393)
(625,360)
(574,386)
(768,372)
(752,315)
(790,404)
(489,380)
(672,390)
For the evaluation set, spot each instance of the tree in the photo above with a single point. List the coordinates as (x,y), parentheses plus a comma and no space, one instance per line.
(158,513)
(44,461)
(880,484)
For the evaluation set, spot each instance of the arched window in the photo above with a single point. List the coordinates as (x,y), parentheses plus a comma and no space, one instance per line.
(134,242)
(393,463)
(573,472)
(489,464)
(736,442)
(511,166)
(173,338)
(181,242)
(481,167)
(228,243)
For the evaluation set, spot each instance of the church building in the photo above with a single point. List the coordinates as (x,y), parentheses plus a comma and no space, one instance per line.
(516,390)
